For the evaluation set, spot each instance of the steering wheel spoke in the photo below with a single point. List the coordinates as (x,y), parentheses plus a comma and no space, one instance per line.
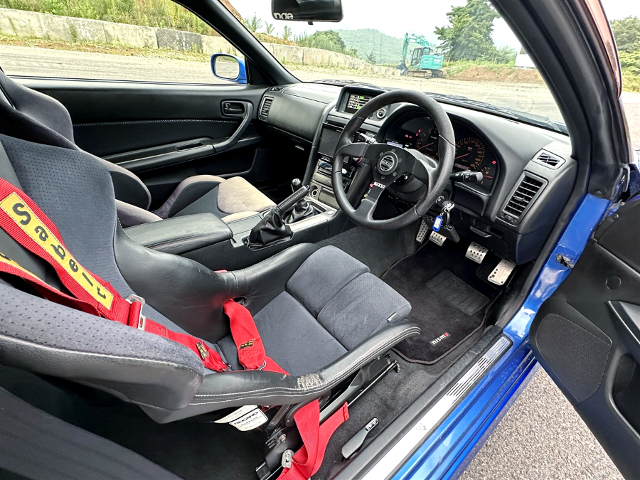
(370,202)
(355,150)
(425,168)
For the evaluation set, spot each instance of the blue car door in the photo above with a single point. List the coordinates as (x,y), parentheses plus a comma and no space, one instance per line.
(587,336)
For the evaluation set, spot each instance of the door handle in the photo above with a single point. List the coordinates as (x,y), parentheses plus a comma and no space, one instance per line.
(233,109)
(233,139)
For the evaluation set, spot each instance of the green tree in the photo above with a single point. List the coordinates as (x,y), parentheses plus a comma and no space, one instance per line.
(254,23)
(286,32)
(505,54)
(469,35)
(352,52)
(324,39)
(268,28)
(371,57)
(627,34)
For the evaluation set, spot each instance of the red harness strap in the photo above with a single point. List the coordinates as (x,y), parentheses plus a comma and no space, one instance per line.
(315,437)
(251,352)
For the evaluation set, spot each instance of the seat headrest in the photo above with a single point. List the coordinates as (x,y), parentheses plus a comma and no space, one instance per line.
(33,116)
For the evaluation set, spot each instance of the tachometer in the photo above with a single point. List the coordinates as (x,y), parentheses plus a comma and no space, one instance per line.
(428,142)
(470,154)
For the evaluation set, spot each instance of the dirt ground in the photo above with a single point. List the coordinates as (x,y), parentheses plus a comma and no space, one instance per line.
(510,75)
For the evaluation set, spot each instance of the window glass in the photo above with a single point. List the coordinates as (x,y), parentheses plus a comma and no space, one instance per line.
(459,48)
(147,40)
(625,26)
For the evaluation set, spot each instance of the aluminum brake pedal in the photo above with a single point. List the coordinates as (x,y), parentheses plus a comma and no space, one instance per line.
(476,252)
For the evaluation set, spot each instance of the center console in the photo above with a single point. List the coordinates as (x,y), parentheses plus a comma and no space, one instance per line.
(320,187)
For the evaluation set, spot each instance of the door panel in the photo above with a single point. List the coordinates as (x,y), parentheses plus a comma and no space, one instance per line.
(165,132)
(587,336)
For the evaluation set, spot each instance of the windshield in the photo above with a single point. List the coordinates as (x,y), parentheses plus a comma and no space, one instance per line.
(463,51)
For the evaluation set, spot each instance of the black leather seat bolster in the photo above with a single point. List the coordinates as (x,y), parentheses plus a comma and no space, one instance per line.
(192,295)
(268,388)
(181,289)
(258,284)
(52,339)
(181,234)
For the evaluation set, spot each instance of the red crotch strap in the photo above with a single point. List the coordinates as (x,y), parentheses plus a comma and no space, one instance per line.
(252,355)
(307,460)
(28,225)
(251,352)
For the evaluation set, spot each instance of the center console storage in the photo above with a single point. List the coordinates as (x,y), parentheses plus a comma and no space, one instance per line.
(218,245)
(179,235)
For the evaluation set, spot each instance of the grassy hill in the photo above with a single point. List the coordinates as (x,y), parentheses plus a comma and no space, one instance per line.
(385,48)
(153,13)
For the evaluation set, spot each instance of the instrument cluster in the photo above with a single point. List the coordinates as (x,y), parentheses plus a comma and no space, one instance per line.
(472,153)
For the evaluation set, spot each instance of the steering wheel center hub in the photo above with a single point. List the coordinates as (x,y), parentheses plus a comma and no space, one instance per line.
(388,163)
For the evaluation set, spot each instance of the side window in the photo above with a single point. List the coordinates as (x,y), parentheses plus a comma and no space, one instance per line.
(156,41)
(417,56)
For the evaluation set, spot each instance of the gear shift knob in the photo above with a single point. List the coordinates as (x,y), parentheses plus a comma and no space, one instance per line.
(296,183)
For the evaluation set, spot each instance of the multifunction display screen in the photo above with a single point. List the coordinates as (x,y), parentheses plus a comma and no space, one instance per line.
(356,102)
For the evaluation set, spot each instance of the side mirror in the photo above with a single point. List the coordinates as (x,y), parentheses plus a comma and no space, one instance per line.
(228,67)
(307,10)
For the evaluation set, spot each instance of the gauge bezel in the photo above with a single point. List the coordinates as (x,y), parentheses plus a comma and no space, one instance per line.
(387,133)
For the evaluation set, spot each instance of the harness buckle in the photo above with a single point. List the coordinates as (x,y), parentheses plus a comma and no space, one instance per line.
(141,321)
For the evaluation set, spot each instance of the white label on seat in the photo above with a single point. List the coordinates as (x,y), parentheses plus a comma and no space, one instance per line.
(245,418)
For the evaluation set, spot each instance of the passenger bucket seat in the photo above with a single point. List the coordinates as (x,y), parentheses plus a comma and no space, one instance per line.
(320,313)
(30,114)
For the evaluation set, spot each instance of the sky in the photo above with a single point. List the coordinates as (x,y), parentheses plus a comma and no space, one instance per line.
(417,16)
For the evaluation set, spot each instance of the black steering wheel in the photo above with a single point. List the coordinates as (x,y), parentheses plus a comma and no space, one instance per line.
(387,163)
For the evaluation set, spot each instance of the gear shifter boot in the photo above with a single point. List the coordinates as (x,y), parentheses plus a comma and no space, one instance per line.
(269,230)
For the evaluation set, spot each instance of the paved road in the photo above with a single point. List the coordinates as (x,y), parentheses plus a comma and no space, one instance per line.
(541,436)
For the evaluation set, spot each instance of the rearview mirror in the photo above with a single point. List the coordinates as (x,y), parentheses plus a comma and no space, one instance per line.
(228,67)
(307,10)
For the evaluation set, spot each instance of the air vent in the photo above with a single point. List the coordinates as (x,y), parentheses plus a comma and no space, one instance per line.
(264,109)
(521,199)
(548,159)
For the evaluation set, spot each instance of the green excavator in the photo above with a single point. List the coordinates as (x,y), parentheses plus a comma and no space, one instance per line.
(419,59)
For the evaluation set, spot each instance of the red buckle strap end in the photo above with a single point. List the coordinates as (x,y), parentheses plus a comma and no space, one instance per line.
(135,318)
(251,352)
(307,460)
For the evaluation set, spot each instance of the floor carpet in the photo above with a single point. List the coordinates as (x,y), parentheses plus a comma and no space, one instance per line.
(377,249)
(447,296)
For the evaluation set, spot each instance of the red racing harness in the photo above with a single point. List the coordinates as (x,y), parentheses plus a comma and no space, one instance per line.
(28,225)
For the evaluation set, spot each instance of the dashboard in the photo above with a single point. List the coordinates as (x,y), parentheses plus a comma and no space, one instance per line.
(527,171)
(472,152)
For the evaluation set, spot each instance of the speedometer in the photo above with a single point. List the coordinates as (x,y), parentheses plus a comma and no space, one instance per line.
(470,154)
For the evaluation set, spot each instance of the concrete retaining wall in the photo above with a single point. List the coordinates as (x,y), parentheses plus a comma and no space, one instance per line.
(22,23)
